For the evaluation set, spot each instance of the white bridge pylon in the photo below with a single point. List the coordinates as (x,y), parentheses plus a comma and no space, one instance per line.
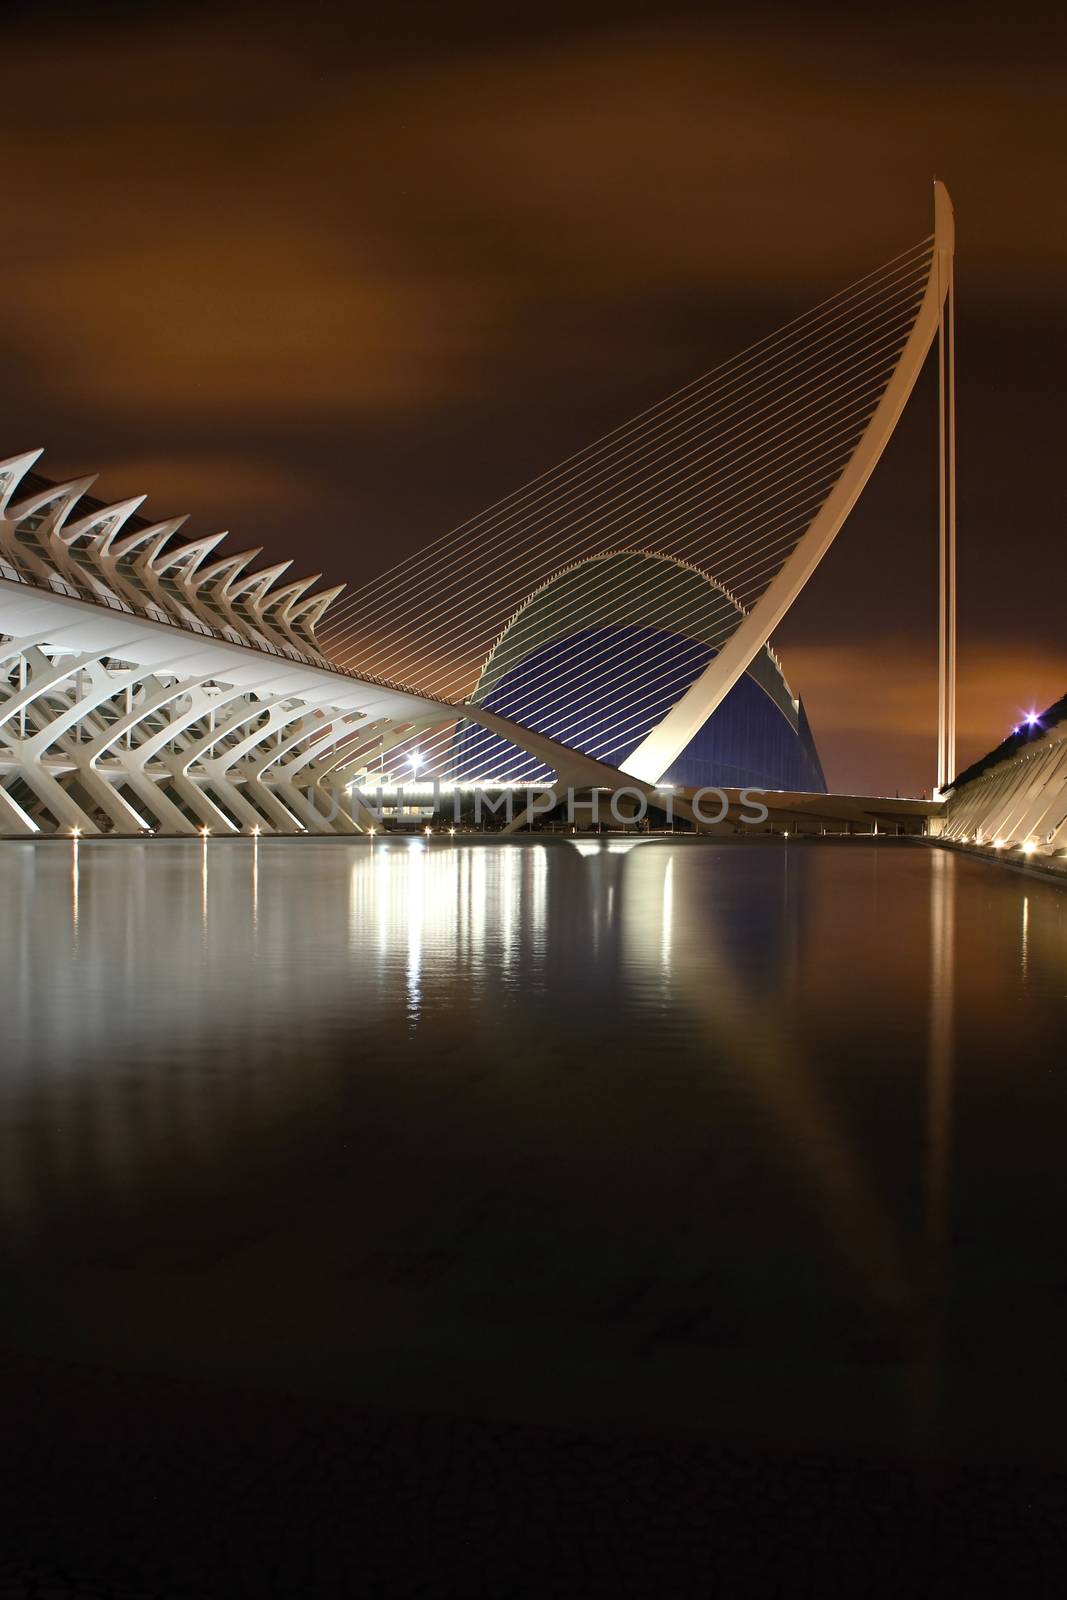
(664,744)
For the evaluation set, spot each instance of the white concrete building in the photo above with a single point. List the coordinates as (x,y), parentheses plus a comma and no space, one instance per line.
(148,683)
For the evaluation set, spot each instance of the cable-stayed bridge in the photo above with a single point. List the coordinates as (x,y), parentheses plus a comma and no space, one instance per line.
(606,625)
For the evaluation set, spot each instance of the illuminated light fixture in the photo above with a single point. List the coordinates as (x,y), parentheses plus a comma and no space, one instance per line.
(370,831)
(451,833)
(255,831)
(998,844)
(1031,718)
(204,832)
(415,758)
(427,832)
(75,833)
(785,835)
(1029,847)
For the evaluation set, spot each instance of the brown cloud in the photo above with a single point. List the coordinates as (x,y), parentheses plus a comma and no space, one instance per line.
(252,323)
(204,487)
(227,214)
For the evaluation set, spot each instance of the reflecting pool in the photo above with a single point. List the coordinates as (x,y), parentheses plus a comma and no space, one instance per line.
(762,1139)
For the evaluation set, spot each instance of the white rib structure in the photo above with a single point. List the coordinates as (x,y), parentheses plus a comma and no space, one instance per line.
(145,686)
(1016,799)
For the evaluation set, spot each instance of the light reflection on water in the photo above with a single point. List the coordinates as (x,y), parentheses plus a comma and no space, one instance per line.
(745,1137)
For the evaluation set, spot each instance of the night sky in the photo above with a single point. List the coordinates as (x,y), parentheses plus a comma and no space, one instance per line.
(337,285)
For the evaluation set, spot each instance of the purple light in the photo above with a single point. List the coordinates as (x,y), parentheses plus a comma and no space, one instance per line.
(1031,718)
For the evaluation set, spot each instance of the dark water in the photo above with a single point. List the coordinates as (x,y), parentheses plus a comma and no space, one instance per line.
(763,1140)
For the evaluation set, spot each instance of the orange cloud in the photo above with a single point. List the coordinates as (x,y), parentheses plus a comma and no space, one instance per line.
(873,706)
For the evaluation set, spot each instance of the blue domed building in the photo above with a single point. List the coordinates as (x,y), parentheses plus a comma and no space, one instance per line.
(597,657)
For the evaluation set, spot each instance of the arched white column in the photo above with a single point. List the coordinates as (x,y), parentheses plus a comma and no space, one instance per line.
(654,755)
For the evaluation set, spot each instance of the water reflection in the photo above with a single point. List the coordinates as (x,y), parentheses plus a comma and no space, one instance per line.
(255,888)
(939,1114)
(74,888)
(718,1131)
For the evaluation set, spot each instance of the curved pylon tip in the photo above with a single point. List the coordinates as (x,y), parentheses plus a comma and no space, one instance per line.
(944,219)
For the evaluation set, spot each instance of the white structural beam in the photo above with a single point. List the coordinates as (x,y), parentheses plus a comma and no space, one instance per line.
(946,401)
